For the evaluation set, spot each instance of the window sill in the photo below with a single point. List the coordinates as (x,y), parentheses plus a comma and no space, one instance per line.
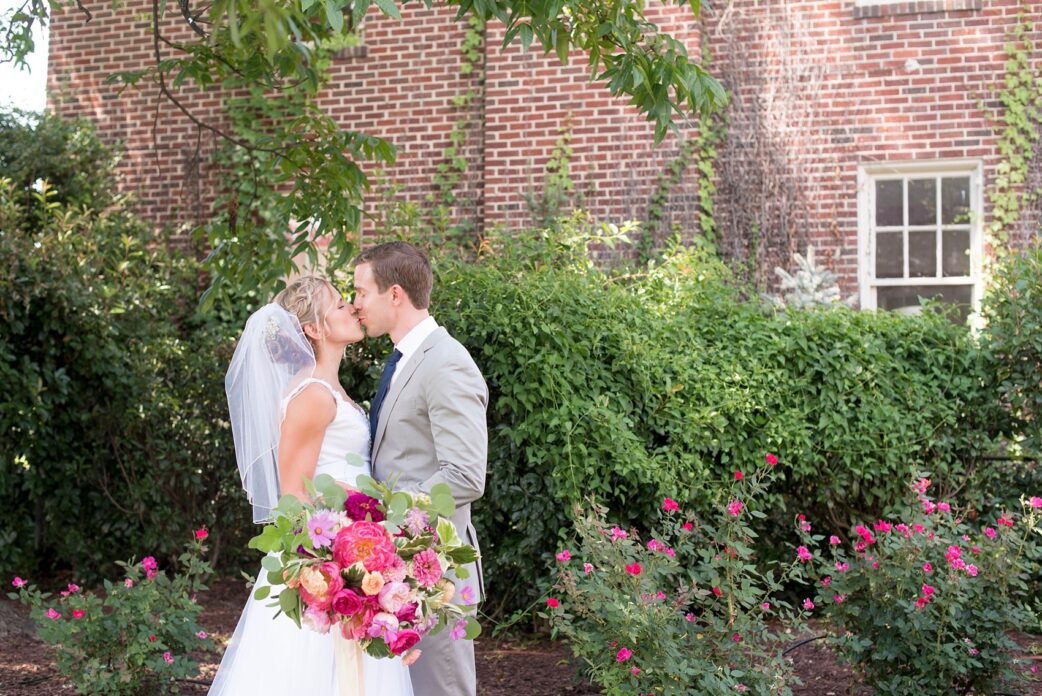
(914,7)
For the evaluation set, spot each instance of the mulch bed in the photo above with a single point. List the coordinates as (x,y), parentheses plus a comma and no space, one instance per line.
(508,666)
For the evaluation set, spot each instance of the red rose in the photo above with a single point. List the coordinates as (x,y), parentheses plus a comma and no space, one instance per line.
(552,603)
(406,639)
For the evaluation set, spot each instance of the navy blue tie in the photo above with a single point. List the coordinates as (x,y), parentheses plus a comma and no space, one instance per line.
(381,392)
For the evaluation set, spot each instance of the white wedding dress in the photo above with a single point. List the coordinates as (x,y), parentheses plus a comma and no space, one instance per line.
(269,655)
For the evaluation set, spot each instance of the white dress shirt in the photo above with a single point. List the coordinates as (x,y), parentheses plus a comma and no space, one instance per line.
(412,341)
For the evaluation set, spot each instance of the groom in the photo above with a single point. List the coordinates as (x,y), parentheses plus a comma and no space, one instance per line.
(427,423)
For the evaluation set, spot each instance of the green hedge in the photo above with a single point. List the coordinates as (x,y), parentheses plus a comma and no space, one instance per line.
(631,387)
(113,433)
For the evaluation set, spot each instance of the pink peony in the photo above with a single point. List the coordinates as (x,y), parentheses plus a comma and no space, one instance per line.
(426,568)
(623,655)
(670,505)
(405,640)
(365,542)
(564,556)
(735,508)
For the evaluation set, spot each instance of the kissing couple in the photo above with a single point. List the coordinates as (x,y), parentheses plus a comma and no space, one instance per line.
(292,420)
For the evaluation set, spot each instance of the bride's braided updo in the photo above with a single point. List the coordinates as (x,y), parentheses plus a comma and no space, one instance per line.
(306,299)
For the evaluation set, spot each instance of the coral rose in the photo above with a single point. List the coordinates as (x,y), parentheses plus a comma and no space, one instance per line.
(319,584)
(372,583)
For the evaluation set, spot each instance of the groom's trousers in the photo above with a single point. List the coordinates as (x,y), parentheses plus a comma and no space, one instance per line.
(445,668)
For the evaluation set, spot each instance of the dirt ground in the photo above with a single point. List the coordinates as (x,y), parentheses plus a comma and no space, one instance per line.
(505,666)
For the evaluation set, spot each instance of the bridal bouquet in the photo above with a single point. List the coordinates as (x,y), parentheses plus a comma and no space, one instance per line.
(372,564)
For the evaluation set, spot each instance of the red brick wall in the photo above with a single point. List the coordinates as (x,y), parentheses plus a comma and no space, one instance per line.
(822,87)
(902,86)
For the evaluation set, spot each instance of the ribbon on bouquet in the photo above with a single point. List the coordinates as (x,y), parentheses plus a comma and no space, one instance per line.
(347,658)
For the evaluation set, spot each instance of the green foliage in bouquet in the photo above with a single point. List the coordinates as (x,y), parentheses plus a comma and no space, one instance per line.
(134,638)
(927,604)
(687,611)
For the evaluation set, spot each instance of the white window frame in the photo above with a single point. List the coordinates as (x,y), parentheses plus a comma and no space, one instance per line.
(867,176)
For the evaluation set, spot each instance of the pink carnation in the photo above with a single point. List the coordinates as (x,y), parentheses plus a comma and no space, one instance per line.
(426,568)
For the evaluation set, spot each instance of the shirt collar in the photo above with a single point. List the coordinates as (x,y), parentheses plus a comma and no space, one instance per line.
(412,341)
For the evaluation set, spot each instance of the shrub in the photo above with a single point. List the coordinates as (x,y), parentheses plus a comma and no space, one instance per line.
(925,605)
(137,637)
(686,612)
(631,385)
(113,422)
(1012,338)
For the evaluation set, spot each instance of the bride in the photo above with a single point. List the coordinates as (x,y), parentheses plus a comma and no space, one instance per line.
(292,420)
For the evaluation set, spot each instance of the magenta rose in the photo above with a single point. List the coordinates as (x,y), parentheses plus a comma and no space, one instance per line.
(405,640)
(358,505)
(407,614)
(346,602)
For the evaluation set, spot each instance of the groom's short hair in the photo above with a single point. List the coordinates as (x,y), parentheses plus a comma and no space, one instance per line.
(402,264)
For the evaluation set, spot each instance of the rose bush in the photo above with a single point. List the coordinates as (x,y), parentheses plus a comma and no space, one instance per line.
(925,603)
(137,637)
(685,611)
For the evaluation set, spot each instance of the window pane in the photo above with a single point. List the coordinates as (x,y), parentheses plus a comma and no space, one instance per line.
(889,210)
(906,299)
(890,262)
(922,254)
(922,201)
(956,252)
(955,201)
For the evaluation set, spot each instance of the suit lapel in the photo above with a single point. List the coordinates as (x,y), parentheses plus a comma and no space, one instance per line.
(400,382)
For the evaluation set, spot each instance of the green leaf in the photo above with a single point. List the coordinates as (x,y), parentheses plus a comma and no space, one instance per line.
(389,8)
(334,16)
(271,563)
(442,501)
(262,592)
(270,539)
(473,628)
(447,533)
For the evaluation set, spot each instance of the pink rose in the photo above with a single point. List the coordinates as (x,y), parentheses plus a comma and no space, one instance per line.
(52,614)
(771,459)
(405,640)
(394,596)
(564,556)
(552,603)
(633,569)
(19,582)
(316,619)
(623,655)
(670,505)
(201,534)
